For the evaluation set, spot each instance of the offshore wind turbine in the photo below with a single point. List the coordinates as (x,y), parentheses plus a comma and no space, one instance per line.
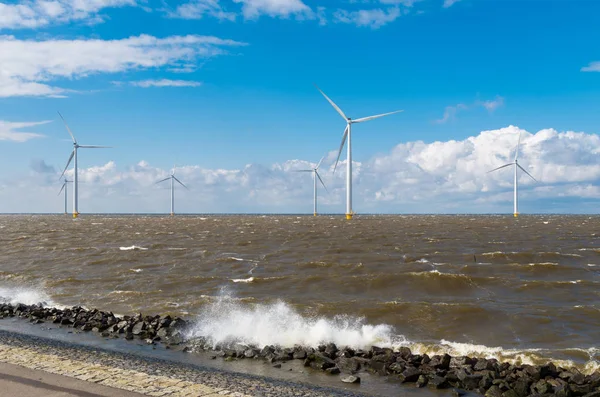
(315,172)
(173,179)
(73,157)
(348,135)
(515,162)
(64,187)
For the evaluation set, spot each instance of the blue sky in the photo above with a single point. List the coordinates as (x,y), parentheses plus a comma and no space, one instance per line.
(220,85)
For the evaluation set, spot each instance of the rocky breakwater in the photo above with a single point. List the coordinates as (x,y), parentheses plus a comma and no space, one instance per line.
(484,376)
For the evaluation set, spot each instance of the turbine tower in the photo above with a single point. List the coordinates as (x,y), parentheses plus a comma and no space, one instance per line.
(348,135)
(316,175)
(64,187)
(173,179)
(515,162)
(73,157)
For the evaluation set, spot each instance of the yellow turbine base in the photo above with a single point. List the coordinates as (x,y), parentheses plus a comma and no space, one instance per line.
(315,214)
(172,214)
(349,216)
(75,215)
(516,214)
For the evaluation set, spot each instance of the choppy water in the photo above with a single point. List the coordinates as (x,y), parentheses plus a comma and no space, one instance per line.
(517,289)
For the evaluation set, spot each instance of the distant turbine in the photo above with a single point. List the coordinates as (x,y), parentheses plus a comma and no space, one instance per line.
(316,175)
(517,166)
(173,178)
(64,187)
(348,134)
(74,157)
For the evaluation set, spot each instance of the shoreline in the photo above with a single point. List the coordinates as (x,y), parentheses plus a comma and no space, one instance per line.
(484,376)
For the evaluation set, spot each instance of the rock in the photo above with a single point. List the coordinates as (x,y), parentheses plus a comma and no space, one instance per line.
(277,366)
(129,336)
(350,365)
(266,351)
(510,393)
(397,367)
(410,374)
(542,387)
(581,390)
(347,352)
(86,327)
(493,391)
(377,367)
(458,392)
(320,361)
(299,355)
(138,328)
(593,394)
(405,353)
(438,382)
(483,364)
(548,370)
(422,381)
(471,382)
(333,370)
(521,387)
(331,350)
(65,321)
(350,379)
(458,362)
(251,353)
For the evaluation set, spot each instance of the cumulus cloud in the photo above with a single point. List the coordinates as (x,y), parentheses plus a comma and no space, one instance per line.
(40,166)
(29,67)
(449,176)
(252,9)
(165,83)
(8,131)
(39,13)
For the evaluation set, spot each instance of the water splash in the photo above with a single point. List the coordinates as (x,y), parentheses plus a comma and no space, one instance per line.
(226,321)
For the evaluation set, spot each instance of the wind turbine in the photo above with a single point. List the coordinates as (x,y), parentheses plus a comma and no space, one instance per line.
(173,178)
(64,187)
(348,135)
(517,166)
(316,175)
(73,156)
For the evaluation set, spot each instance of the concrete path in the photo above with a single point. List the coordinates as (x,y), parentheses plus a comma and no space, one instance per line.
(19,381)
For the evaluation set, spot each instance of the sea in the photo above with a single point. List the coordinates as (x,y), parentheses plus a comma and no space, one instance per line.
(524,290)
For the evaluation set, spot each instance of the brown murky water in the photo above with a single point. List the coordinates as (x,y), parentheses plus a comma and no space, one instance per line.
(518,289)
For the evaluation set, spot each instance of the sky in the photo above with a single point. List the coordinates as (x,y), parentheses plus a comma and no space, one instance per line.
(223,92)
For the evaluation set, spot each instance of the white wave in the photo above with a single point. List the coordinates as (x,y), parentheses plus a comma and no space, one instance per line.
(227,321)
(235,259)
(422,260)
(25,295)
(136,270)
(243,280)
(133,247)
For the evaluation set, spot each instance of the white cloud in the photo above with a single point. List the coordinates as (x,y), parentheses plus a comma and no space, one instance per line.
(373,18)
(197,9)
(451,111)
(29,67)
(449,176)
(449,3)
(165,83)
(39,13)
(8,131)
(592,67)
(252,9)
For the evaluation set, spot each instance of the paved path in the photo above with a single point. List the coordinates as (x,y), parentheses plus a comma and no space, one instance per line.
(24,382)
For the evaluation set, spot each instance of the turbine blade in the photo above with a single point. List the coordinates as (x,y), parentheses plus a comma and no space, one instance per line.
(505,165)
(68,129)
(162,180)
(62,188)
(320,161)
(68,162)
(322,183)
(336,107)
(523,169)
(94,147)
(181,183)
(375,117)
(341,147)
(518,143)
